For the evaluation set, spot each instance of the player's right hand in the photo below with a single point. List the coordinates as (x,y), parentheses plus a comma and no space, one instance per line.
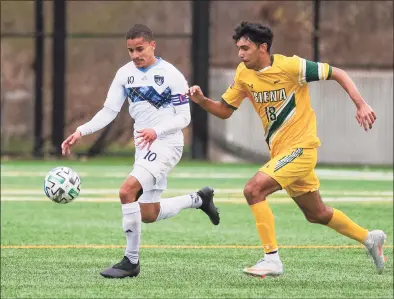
(69,142)
(365,116)
(195,93)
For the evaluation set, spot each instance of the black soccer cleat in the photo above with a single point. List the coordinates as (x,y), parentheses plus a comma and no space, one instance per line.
(208,207)
(122,269)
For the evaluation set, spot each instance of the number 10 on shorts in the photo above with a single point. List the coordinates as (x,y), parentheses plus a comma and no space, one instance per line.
(150,156)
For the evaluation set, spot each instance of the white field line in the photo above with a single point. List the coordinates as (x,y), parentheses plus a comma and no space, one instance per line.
(326,174)
(157,246)
(235,200)
(233,191)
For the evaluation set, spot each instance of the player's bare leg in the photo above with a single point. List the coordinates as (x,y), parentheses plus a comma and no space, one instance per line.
(149,211)
(256,192)
(316,211)
(169,207)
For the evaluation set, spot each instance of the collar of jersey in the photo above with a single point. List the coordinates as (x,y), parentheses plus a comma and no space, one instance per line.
(145,69)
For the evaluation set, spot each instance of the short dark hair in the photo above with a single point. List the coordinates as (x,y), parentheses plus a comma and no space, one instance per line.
(140,30)
(256,32)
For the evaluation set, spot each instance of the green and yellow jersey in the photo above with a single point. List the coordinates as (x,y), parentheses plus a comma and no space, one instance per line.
(280,96)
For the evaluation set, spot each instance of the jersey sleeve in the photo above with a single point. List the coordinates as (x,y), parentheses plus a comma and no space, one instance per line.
(104,117)
(235,93)
(179,88)
(180,101)
(116,94)
(303,71)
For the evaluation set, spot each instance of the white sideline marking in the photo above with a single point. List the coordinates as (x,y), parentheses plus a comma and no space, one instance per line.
(234,200)
(92,246)
(326,174)
(233,191)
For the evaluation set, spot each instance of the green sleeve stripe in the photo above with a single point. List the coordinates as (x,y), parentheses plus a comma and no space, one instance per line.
(228,105)
(312,71)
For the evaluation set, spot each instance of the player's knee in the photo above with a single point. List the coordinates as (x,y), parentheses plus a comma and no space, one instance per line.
(128,193)
(251,192)
(248,191)
(320,217)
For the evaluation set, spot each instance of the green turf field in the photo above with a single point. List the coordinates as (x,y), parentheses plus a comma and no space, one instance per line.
(57,251)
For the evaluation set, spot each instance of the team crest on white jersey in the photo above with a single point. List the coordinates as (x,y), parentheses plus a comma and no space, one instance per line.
(159,80)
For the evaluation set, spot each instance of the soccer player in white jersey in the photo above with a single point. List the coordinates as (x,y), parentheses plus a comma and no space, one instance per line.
(155,90)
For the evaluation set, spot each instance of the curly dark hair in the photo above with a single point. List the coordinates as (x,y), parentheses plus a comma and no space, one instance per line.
(140,30)
(256,32)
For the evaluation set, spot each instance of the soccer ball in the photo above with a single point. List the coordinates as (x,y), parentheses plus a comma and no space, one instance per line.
(62,185)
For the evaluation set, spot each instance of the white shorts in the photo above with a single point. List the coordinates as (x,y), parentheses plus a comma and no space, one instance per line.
(151,196)
(152,167)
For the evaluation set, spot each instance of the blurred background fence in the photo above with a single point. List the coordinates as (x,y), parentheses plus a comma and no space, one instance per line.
(58,59)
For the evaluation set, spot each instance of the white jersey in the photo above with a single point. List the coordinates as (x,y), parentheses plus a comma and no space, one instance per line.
(156,97)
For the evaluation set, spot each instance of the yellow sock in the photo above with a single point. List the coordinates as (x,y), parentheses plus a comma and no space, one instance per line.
(345,226)
(265,225)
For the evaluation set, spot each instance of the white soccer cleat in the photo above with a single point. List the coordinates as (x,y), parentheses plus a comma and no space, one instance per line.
(374,244)
(265,267)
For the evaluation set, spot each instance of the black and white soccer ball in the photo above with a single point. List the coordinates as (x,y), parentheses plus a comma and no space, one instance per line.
(62,185)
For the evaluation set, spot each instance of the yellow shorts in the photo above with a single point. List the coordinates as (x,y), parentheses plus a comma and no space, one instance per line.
(294,170)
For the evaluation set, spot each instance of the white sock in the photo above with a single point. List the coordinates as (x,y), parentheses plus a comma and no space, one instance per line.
(272,256)
(132,229)
(170,207)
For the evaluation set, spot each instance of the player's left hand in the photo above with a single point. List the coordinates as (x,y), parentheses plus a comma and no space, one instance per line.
(365,116)
(146,136)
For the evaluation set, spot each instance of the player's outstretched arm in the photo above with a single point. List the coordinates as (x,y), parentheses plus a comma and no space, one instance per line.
(218,109)
(365,115)
(104,117)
